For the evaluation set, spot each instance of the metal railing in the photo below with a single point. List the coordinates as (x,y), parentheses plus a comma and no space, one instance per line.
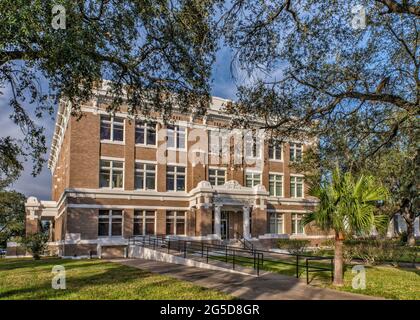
(254,258)
(199,249)
(246,243)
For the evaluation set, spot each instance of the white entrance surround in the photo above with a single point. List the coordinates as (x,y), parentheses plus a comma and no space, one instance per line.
(246,222)
(217,219)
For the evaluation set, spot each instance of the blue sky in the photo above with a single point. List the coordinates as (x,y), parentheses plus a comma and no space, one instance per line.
(223,85)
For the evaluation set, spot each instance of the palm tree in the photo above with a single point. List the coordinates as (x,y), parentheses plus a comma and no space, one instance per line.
(347,207)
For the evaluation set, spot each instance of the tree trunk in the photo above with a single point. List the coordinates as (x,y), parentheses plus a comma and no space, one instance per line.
(338,260)
(411,241)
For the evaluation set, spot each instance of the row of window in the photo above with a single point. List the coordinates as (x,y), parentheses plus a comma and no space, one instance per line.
(112,129)
(144,223)
(112,176)
(276,223)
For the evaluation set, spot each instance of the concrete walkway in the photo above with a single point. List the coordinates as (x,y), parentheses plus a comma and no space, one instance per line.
(269,286)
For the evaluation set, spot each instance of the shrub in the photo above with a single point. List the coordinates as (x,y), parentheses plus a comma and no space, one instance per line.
(36,243)
(293,246)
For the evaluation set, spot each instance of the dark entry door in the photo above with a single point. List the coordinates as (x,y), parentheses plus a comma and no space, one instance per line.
(224,224)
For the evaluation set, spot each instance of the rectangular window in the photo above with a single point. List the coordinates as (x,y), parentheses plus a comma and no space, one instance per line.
(276,223)
(145,176)
(275,150)
(175,178)
(296,187)
(175,223)
(144,222)
(252,179)
(276,185)
(112,128)
(297,225)
(252,145)
(217,177)
(175,137)
(111,174)
(215,143)
(296,152)
(110,223)
(146,133)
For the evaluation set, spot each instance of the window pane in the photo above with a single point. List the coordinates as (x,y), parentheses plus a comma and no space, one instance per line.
(169,227)
(118,164)
(139,134)
(105,131)
(180,169)
(117,179)
(139,180)
(103,227)
(180,227)
(150,180)
(271,188)
(170,183)
(221,181)
(248,181)
(150,227)
(180,183)
(170,138)
(138,228)
(212,180)
(151,134)
(104,179)
(299,191)
(118,133)
(116,228)
(292,189)
(181,140)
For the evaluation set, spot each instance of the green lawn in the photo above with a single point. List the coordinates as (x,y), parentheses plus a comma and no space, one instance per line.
(381,281)
(93,279)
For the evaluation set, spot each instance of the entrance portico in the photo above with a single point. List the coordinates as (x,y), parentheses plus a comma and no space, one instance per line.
(230,223)
(235,209)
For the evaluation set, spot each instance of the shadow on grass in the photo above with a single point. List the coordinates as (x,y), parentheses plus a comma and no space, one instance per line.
(96,280)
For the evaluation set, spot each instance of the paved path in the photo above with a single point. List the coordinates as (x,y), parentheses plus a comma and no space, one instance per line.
(268,286)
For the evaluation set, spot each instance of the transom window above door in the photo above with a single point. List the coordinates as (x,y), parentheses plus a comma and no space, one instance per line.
(112,128)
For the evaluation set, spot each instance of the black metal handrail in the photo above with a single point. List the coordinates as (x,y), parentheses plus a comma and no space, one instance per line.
(245,242)
(230,253)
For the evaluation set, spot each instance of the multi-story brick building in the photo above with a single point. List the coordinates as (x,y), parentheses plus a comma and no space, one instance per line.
(114,176)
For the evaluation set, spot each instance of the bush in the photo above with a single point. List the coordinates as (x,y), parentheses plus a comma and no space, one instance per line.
(293,246)
(36,243)
(373,251)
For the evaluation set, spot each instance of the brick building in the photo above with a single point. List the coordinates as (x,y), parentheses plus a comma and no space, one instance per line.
(114,176)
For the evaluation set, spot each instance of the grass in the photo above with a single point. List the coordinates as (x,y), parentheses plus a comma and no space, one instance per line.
(93,279)
(381,281)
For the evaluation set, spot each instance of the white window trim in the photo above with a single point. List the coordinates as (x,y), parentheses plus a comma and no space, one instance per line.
(144,221)
(282,219)
(144,178)
(112,141)
(282,184)
(123,170)
(218,169)
(256,139)
(175,175)
(303,186)
(110,224)
(294,150)
(295,221)
(281,154)
(253,173)
(175,218)
(144,144)
(176,148)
